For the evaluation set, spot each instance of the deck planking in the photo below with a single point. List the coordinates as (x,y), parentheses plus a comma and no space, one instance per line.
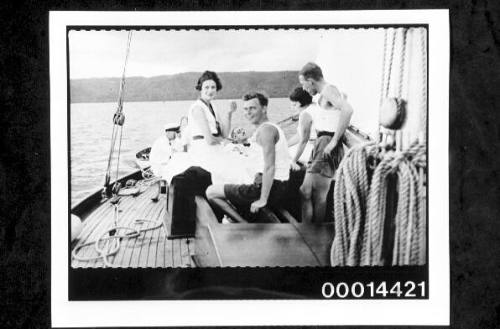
(127,218)
(176,252)
(150,239)
(90,226)
(155,238)
(141,242)
(290,244)
(186,260)
(149,249)
(130,243)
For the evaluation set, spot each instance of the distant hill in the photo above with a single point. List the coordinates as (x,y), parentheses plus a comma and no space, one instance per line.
(181,86)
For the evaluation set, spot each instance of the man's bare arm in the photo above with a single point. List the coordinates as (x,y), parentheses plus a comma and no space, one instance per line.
(332,95)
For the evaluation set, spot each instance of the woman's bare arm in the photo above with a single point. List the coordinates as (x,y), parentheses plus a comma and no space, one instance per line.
(226,120)
(305,123)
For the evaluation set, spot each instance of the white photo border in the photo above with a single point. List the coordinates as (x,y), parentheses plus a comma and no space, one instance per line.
(433,311)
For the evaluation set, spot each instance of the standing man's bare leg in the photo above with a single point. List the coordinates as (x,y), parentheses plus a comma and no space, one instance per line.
(306,199)
(321,186)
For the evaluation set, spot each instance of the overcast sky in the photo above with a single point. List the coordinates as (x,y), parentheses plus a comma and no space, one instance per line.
(351,59)
(152,53)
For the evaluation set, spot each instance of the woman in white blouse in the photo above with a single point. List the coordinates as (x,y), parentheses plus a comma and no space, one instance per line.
(209,127)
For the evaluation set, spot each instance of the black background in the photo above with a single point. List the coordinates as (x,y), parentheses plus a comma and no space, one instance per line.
(25,149)
(235,282)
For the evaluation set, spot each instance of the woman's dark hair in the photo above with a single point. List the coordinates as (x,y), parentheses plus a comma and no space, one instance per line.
(263,100)
(301,96)
(209,75)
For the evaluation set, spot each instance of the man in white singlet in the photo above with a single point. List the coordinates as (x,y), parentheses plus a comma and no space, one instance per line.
(331,119)
(272,159)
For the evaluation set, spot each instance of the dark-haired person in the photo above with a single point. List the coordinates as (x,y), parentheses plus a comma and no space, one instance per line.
(301,102)
(330,119)
(270,154)
(207,126)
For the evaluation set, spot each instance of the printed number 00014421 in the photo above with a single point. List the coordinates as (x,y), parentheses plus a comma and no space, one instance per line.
(408,289)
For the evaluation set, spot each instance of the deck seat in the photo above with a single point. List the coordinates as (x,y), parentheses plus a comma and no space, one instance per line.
(258,244)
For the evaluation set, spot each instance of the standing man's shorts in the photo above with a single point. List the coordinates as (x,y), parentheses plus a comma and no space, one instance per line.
(325,165)
(245,194)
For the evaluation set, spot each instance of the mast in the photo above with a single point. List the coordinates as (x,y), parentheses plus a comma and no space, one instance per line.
(118,121)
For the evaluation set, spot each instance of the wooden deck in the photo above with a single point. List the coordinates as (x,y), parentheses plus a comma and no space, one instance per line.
(150,249)
(286,242)
(279,242)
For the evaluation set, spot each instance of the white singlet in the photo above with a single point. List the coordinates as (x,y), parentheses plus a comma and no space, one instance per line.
(309,110)
(325,119)
(282,157)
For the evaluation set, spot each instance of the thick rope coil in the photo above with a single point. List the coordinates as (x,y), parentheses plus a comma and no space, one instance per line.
(402,215)
(350,193)
(423,123)
(376,209)
(415,214)
(422,223)
(423,54)
(361,182)
(357,212)
(408,250)
(360,207)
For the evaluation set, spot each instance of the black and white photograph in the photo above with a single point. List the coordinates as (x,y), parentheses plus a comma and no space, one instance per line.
(304,153)
(235,139)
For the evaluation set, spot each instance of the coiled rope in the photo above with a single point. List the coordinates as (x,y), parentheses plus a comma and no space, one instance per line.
(423,55)
(112,236)
(350,199)
(360,207)
(112,243)
(409,247)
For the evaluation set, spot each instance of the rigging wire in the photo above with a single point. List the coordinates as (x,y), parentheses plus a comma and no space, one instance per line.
(393,44)
(402,63)
(384,63)
(118,120)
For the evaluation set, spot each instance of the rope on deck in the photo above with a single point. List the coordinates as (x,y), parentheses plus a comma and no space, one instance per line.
(113,242)
(360,207)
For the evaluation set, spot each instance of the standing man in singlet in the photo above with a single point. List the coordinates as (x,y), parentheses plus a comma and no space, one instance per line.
(330,119)
(271,157)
